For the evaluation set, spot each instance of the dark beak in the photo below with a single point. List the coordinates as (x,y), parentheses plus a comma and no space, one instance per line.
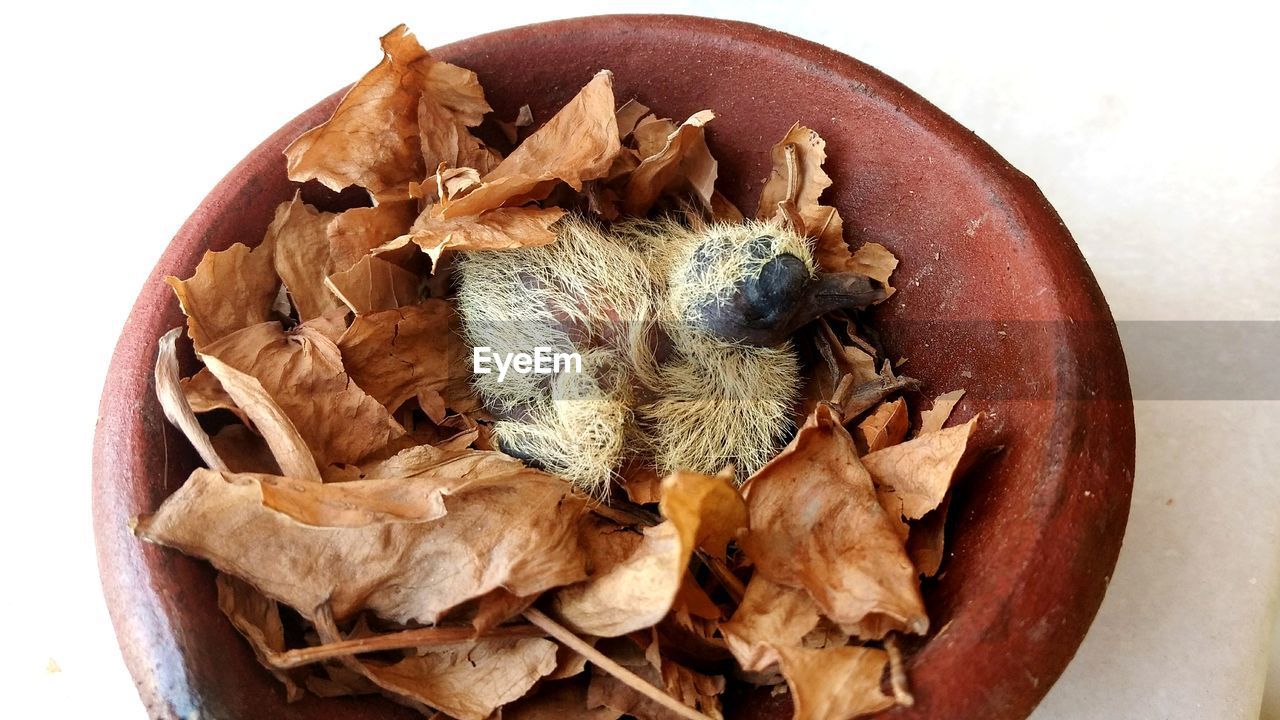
(830,292)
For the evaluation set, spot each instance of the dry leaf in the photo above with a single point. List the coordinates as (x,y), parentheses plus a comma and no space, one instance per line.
(516,532)
(557,701)
(634,584)
(302,373)
(579,143)
(372,138)
(912,478)
(770,616)
(446,140)
(886,426)
(470,682)
(173,401)
(816,525)
(935,417)
(684,162)
(299,234)
(876,262)
(257,618)
(395,355)
(373,284)
(231,290)
(651,134)
(835,683)
(245,450)
(791,195)
(500,229)
(354,233)
(288,447)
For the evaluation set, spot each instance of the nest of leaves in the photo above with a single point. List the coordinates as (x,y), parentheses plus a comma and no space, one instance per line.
(370,539)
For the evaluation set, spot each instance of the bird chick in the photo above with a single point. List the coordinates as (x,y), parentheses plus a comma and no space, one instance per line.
(683,334)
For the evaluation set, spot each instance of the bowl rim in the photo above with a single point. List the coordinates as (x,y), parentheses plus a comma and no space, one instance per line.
(129,370)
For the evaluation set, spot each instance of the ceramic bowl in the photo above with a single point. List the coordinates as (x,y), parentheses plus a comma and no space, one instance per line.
(994,297)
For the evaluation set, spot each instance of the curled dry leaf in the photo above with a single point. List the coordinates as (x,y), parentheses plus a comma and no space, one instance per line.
(372,139)
(770,616)
(912,478)
(173,401)
(257,618)
(876,262)
(816,525)
(468,680)
(395,355)
(557,701)
(230,290)
(517,532)
(445,140)
(935,417)
(288,447)
(635,582)
(373,284)
(684,162)
(354,233)
(299,235)
(886,426)
(499,229)
(302,373)
(579,143)
(835,683)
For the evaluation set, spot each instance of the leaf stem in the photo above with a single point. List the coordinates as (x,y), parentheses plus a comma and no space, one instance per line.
(417,637)
(602,661)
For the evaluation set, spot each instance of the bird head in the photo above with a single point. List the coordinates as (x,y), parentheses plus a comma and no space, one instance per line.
(756,284)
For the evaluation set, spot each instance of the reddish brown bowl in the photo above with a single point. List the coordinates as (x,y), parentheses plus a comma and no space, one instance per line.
(995,298)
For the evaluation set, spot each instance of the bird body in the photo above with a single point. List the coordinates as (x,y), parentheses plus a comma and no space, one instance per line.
(683,334)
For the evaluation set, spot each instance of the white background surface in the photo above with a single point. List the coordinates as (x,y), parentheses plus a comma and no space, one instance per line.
(1155,133)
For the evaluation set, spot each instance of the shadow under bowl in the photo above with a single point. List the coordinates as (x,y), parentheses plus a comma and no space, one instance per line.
(994,297)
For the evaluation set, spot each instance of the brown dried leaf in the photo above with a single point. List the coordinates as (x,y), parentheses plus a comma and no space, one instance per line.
(372,138)
(557,701)
(770,616)
(634,584)
(299,234)
(356,232)
(629,114)
(707,509)
(173,401)
(875,261)
(288,447)
(800,181)
(373,284)
(935,417)
(912,478)
(683,163)
(516,531)
(230,291)
(816,524)
(302,373)
(446,140)
(245,450)
(395,355)
(470,682)
(579,143)
(500,229)
(885,426)
(651,134)
(257,618)
(835,683)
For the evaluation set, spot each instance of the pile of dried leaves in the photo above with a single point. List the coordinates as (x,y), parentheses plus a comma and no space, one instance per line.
(352,493)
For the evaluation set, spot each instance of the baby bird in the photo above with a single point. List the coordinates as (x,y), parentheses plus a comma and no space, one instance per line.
(683,334)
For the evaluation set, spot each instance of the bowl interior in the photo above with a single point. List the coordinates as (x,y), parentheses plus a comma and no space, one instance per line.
(993,297)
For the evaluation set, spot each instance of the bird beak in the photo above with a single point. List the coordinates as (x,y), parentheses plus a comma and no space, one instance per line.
(830,292)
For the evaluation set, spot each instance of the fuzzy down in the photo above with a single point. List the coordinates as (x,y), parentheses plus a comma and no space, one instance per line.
(692,401)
